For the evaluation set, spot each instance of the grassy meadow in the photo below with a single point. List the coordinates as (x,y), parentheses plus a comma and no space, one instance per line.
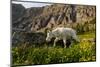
(78,52)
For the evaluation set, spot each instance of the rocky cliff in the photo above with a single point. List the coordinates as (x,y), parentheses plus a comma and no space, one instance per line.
(36,18)
(40,19)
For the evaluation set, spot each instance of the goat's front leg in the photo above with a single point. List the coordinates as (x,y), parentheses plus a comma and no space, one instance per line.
(55,41)
(64,40)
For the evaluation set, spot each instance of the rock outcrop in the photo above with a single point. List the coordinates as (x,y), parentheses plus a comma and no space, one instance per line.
(36,18)
(40,19)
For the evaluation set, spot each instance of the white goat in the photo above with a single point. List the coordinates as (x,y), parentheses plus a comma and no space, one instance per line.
(62,34)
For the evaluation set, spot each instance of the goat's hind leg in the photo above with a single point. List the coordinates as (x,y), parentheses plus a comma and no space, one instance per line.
(64,40)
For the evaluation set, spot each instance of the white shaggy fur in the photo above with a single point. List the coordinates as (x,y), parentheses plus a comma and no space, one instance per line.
(62,34)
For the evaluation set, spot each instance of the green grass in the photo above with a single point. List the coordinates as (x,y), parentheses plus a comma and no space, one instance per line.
(78,52)
(87,35)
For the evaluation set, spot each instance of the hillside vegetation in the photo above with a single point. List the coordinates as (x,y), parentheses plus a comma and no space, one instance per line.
(83,51)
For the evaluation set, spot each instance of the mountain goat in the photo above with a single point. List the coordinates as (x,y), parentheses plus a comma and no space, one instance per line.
(62,34)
